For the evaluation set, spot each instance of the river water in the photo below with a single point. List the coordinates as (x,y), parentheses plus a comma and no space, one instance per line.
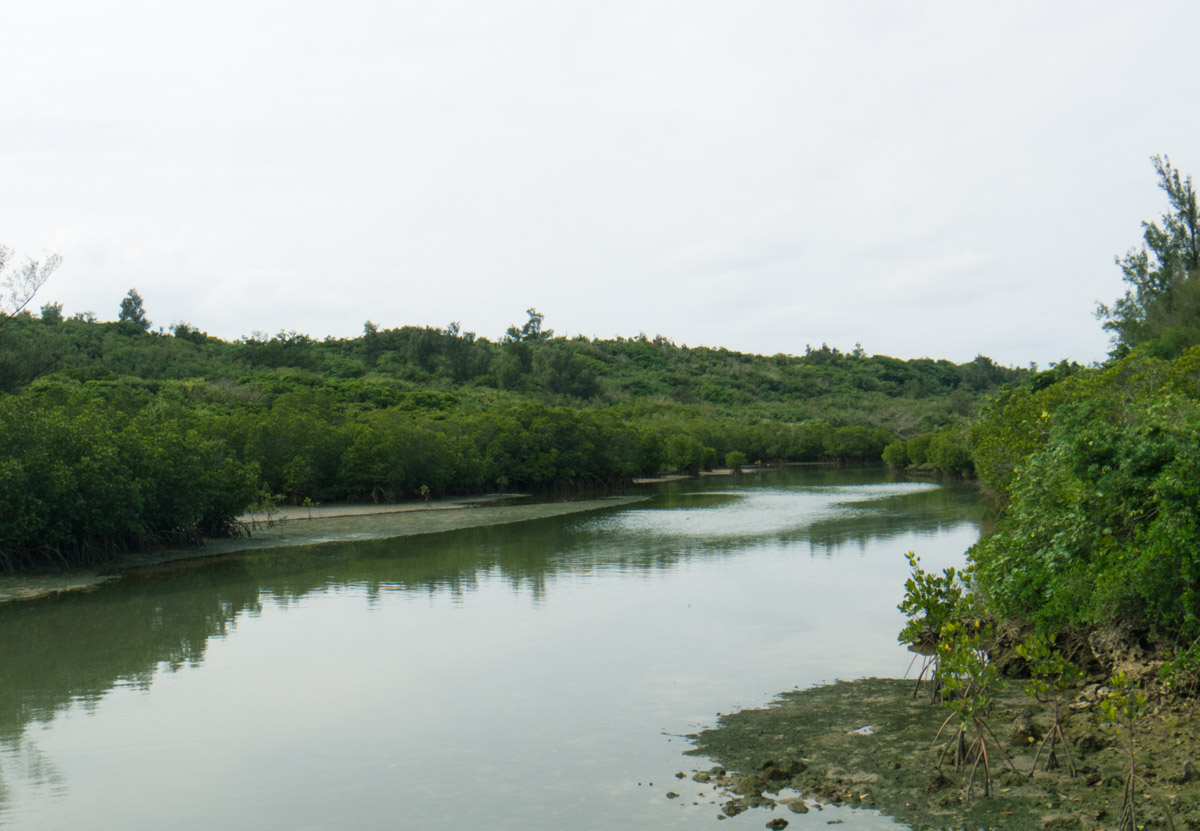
(539,675)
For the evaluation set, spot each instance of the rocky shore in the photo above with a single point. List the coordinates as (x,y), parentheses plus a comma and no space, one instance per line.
(873,744)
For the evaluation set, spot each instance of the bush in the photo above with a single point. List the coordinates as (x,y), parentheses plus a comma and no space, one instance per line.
(1103,520)
(896,454)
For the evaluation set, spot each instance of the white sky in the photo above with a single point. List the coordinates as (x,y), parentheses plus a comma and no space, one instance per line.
(933,179)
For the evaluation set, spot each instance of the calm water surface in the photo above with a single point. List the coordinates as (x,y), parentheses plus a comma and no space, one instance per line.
(530,676)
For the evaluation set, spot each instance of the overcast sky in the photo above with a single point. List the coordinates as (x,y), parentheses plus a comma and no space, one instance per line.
(935,179)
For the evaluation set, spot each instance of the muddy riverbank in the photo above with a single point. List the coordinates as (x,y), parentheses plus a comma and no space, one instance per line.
(308,526)
(871,744)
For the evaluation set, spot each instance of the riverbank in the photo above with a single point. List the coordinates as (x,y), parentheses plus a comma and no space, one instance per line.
(871,744)
(309,526)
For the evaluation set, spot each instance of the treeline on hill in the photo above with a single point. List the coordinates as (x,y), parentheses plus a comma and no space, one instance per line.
(115,434)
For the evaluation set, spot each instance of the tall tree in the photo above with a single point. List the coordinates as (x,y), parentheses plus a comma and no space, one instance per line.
(1163,302)
(133,313)
(532,330)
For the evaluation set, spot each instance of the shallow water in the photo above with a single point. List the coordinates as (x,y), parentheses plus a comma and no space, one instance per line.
(532,676)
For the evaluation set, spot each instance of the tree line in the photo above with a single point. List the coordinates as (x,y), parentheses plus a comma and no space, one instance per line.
(118,434)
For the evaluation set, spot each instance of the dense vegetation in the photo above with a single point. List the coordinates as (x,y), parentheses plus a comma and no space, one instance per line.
(1093,569)
(117,434)
(1098,469)
(1101,473)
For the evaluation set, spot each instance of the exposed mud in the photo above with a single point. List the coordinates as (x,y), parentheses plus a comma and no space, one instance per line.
(308,526)
(870,743)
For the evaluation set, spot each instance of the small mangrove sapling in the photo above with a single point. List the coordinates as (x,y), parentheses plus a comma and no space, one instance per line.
(1122,707)
(968,683)
(1050,676)
(930,602)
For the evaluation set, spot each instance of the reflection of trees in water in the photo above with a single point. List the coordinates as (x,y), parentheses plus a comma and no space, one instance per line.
(75,648)
(21,760)
(929,511)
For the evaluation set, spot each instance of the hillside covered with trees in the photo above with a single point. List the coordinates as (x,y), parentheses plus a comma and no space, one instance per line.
(116,434)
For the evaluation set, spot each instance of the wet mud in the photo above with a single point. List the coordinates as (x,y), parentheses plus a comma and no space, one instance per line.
(872,744)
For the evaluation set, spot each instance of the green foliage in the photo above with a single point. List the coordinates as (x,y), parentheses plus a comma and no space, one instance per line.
(1050,673)
(944,452)
(1103,518)
(1125,702)
(948,452)
(896,455)
(968,682)
(931,601)
(52,313)
(1181,671)
(1121,708)
(532,329)
(735,459)
(132,316)
(83,482)
(1011,427)
(384,415)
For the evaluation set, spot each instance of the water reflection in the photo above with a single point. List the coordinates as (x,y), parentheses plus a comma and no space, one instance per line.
(74,648)
(69,652)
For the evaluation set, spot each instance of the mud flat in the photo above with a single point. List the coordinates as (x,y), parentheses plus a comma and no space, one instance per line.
(870,744)
(309,526)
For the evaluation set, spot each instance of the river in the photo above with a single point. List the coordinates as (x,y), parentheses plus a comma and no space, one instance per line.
(540,675)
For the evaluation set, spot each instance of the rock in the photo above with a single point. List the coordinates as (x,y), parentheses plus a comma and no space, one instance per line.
(777,823)
(701,776)
(681,775)
(796,806)
(750,785)
(672,795)
(734,807)
(773,774)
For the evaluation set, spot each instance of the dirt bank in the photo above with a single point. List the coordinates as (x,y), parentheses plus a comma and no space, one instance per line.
(307,526)
(869,743)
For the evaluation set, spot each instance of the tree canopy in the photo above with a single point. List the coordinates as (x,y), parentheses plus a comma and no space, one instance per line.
(133,313)
(1161,307)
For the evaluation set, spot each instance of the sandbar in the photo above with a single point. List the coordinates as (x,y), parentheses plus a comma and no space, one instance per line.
(319,524)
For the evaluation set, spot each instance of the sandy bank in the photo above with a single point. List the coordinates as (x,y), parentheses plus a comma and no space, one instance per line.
(678,477)
(309,526)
